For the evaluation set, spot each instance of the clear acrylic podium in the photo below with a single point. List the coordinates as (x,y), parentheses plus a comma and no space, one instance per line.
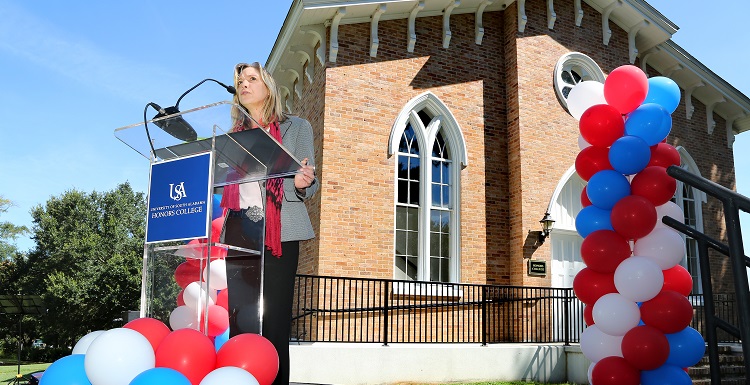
(177,283)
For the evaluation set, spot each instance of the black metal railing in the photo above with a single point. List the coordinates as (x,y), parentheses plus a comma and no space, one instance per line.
(739,327)
(339,309)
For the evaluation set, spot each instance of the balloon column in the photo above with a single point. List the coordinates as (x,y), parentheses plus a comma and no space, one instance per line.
(146,352)
(637,312)
(201,282)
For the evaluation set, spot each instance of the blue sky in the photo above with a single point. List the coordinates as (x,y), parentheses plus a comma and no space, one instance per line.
(72,72)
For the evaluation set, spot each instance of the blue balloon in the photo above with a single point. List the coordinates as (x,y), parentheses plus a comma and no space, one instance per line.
(591,219)
(221,339)
(686,347)
(160,376)
(664,92)
(650,122)
(218,211)
(606,188)
(68,370)
(629,154)
(665,375)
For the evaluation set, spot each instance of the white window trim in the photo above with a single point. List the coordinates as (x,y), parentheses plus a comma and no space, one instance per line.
(453,135)
(700,198)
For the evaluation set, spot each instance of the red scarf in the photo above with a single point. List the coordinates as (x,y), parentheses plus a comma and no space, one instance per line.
(274,196)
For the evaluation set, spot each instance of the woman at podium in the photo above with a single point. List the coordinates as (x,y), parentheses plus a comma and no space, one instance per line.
(286,219)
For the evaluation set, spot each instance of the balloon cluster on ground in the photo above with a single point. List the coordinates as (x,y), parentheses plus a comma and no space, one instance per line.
(196,350)
(146,352)
(637,312)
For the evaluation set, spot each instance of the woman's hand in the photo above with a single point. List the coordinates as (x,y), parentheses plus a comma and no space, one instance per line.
(305,178)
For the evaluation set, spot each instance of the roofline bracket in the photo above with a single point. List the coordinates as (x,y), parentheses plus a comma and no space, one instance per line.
(606,32)
(447,22)
(411,35)
(334,44)
(551,15)
(578,12)
(478,26)
(374,42)
(522,19)
(689,107)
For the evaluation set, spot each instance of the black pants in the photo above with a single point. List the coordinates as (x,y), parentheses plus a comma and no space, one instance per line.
(243,282)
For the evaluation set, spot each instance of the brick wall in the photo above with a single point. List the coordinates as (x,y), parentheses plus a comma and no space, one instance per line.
(520,141)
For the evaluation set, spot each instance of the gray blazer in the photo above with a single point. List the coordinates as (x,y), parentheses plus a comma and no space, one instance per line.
(297,137)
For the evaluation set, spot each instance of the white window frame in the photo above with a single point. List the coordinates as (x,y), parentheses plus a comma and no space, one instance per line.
(687,163)
(442,121)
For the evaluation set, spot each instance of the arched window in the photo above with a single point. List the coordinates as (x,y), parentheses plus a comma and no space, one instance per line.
(691,200)
(430,153)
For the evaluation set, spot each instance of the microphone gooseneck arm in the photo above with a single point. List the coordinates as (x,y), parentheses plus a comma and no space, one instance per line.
(145,125)
(229,89)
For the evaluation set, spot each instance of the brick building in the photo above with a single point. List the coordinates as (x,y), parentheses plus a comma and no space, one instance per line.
(477,89)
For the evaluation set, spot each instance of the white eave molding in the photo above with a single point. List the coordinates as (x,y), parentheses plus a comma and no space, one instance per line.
(478,26)
(374,42)
(606,32)
(689,107)
(411,34)
(447,22)
(551,15)
(334,44)
(730,129)
(522,19)
(578,12)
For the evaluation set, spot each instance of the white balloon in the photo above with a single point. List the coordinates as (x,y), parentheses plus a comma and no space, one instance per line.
(117,356)
(663,246)
(615,315)
(83,344)
(638,279)
(196,294)
(669,209)
(218,279)
(584,95)
(582,143)
(183,317)
(596,344)
(590,371)
(229,375)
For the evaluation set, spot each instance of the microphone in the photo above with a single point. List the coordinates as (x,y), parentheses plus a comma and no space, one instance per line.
(177,126)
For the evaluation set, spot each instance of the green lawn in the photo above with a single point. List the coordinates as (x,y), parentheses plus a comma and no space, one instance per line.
(8,372)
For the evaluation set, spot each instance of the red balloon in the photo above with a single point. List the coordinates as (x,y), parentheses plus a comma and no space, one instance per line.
(601,125)
(633,217)
(185,273)
(591,160)
(222,299)
(585,201)
(153,329)
(654,184)
(216,226)
(645,347)
(669,312)
(588,314)
(200,253)
(189,352)
(603,250)
(615,370)
(218,320)
(626,88)
(664,155)
(678,279)
(253,353)
(589,286)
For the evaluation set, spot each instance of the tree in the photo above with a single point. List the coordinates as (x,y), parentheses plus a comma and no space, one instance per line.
(86,264)
(10,259)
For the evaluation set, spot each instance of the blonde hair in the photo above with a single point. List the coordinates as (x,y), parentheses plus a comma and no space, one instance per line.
(272,107)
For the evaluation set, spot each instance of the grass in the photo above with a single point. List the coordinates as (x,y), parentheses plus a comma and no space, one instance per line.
(485,383)
(8,372)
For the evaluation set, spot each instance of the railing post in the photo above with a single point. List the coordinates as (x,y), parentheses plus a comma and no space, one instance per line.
(385,313)
(485,289)
(566,303)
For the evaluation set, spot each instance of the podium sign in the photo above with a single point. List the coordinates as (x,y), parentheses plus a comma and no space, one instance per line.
(178,199)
